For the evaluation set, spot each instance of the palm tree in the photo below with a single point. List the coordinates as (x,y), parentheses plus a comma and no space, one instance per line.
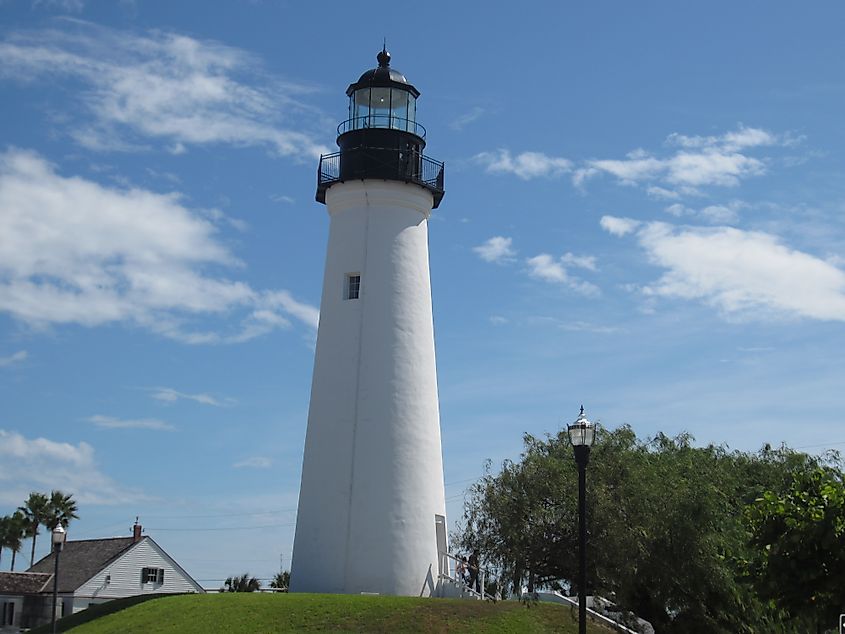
(15,528)
(242,583)
(61,509)
(35,512)
(281,581)
(5,530)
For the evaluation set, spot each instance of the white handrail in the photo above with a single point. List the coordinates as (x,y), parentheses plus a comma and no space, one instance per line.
(448,568)
(597,615)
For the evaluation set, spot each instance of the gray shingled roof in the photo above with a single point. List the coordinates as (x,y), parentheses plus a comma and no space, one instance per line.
(24,582)
(82,559)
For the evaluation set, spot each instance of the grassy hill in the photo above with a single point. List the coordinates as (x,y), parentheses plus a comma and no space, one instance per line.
(262,613)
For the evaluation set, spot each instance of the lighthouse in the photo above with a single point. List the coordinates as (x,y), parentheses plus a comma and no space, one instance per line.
(371,516)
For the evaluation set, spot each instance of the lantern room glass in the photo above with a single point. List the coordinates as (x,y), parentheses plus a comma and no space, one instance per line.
(382,107)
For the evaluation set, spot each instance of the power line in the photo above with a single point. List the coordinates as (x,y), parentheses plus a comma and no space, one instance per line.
(183,517)
(222,528)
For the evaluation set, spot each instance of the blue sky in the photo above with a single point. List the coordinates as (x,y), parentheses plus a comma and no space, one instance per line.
(644,213)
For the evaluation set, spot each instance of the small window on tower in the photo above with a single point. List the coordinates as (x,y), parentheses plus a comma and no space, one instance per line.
(353,286)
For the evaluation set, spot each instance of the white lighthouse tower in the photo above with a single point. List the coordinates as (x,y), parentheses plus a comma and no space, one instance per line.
(371,512)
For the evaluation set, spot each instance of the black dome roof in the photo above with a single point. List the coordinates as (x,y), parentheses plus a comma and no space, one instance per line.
(383,76)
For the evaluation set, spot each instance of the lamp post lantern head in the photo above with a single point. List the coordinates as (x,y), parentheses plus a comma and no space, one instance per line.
(582,432)
(59,535)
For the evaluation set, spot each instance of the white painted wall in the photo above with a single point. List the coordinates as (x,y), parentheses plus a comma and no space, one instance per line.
(17,610)
(372,478)
(125,574)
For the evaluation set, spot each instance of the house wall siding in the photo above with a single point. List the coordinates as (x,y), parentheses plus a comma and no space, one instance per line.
(126,578)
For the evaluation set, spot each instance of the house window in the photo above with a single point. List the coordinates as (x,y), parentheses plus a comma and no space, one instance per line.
(8,613)
(152,575)
(353,286)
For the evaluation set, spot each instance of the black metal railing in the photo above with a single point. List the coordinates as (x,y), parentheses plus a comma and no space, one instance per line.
(383,122)
(384,163)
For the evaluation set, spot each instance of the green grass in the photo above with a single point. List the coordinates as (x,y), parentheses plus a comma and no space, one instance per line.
(261,613)
(94,612)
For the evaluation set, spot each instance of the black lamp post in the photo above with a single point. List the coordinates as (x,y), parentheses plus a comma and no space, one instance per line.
(581,434)
(58,543)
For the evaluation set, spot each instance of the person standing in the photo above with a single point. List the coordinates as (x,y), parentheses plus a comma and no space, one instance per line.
(474,576)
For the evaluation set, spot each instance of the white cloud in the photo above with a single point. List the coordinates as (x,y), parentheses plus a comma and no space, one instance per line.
(547,268)
(256,462)
(526,165)
(678,210)
(17,357)
(174,88)
(581,175)
(618,226)
(700,161)
(41,464)
(738,139)
(743,274)
(169,395)
(498,320)
(307,314)
(496,249)
(110,422)
(720,214)
(581,261)
(74,251)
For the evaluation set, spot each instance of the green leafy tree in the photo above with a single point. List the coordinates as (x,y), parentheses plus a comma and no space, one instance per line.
(281,580)
(665,533)
(799,540)
(241,583)
(35,511)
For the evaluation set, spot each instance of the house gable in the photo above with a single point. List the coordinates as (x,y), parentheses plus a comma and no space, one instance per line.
(125,575)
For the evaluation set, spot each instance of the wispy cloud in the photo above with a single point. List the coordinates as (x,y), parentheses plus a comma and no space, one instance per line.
(662,193)
(549,269)
(41,464)
(465,119)
(63,5)
(496,249)
(727,213)
(74,251)
(17,357)
(575,325)
(743,274)
(110,422)
(169,395)
(256,462)
(526,165)
(163,86)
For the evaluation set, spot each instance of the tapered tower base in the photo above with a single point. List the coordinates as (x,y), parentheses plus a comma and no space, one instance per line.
(372,491)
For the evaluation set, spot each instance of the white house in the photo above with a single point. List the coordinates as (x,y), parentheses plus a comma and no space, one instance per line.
(91,571)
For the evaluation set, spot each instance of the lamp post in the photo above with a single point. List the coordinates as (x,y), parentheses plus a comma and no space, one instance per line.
(581,434)
(58,542)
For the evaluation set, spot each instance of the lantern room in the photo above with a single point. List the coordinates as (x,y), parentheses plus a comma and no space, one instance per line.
(383,98)
(381,138)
